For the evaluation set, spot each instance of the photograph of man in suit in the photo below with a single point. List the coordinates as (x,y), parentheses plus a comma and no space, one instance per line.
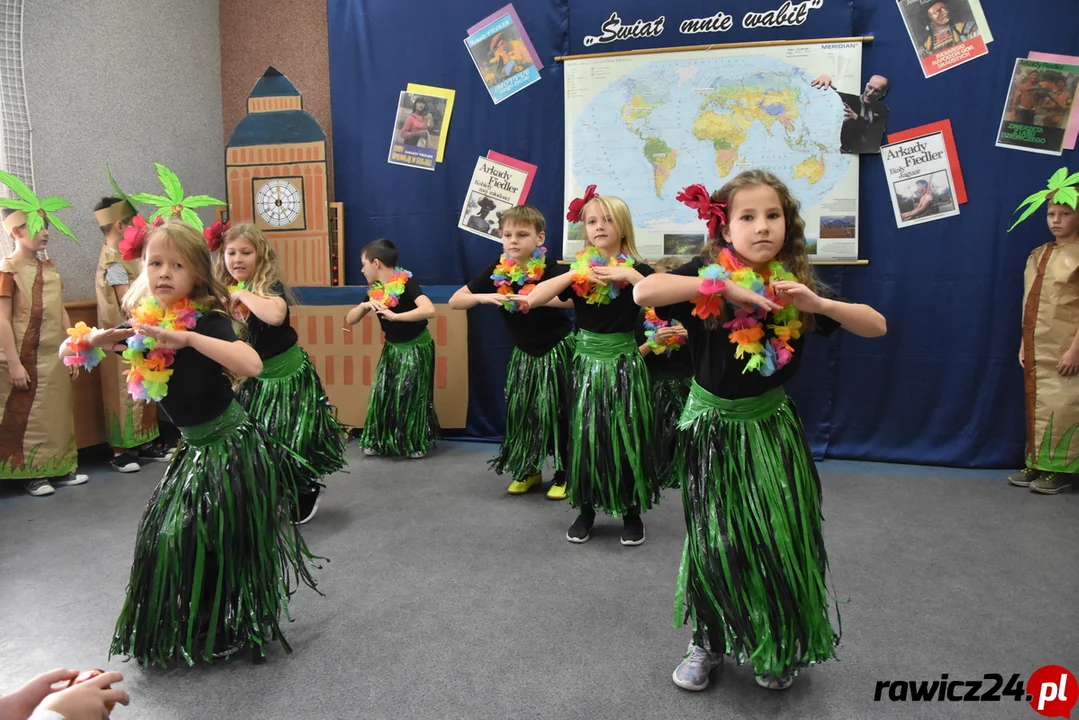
(864,116)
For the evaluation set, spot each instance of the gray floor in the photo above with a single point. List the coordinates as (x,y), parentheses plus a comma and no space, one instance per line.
(447,598)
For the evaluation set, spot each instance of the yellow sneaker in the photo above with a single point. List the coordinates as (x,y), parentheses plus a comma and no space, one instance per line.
(520,487)
(557,492)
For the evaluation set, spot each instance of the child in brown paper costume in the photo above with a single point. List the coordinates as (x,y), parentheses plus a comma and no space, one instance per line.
(130,427)
(37,429)
(1049,352)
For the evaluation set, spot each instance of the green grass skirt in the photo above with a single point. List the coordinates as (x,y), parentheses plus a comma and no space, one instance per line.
(401,417)
(752,577)
(611,466)
(216,558)
(668,401)
(289,401)
(537,417)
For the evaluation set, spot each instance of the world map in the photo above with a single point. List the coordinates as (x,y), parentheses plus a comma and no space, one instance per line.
(673,123)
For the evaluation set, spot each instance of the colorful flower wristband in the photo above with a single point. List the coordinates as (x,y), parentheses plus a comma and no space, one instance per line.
(713,283)
(86,355)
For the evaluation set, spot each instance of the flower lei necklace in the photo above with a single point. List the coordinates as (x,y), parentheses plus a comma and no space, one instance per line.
(239,310)
(747,331)
(652,322)
(589,258)
(388,293)
(148,378)
(509,272)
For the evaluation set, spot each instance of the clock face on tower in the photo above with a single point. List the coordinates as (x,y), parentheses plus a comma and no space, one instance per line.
(279,203)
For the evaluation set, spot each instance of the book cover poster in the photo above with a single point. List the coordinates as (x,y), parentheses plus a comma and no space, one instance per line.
(945,33)
(1038,107)
(1072,132)
(502,57)
(444,126)
(495,188)
(944,127)
(417,130)
(920,180)
(528,168)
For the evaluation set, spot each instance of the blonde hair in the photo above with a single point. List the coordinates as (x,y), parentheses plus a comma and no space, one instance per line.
(666,264)
(264,274)
(618,211)
(187,241)
(793,253)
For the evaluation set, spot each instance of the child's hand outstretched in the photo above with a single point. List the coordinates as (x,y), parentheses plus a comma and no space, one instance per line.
(1069,362)
(385,312)
(746,299)
(492,298)
(89,700)
(800,296)
(610,273)
(167,339)
(20,704)
(110,339)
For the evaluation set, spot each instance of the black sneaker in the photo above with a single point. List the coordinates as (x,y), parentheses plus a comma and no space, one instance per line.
(157,451)
(581,529)
(306,507)
(633,530)
(125,463)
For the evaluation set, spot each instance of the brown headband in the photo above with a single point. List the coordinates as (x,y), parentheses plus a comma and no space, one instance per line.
(117,211)
(14,220)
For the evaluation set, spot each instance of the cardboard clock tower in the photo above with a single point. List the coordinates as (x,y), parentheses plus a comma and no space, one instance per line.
(276,167)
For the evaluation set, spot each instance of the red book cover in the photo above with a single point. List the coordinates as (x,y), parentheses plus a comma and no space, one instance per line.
(945,128)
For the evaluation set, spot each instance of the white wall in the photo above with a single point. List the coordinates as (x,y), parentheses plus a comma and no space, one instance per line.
(128,82)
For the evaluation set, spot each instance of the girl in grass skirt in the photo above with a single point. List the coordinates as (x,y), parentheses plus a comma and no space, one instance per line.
(401,420)
(215,557)
(752,578)
(287,398)
(610,465)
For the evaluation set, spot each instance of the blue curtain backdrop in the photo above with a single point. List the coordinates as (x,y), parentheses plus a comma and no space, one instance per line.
(944,386)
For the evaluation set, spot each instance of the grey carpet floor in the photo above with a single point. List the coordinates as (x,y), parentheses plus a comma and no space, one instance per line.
(447,598)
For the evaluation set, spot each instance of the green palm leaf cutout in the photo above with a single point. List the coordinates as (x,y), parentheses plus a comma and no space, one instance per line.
(197,201)
(1061,188)
(62,227)
(119,192)
(18,187)
(171,183)
(53,204)
(37,211)
(148,199)
(174,202)
(17,204)
(191,217)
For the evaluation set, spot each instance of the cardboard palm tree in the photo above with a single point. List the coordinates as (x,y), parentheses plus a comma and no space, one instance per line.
(35,214)
(173,203)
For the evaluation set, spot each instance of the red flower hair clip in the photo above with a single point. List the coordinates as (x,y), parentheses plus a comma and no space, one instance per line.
(215,234)
(575,207)
(135,236)
(698,198)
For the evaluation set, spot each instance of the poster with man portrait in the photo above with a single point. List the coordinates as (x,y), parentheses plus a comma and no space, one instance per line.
(920,180)
(1038,107)
(945,33)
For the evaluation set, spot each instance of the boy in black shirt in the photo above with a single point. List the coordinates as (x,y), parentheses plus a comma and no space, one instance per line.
(401,418)
(537,378)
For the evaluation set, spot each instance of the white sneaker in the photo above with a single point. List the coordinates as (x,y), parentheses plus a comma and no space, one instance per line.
(370,452)
(771,682)
(70,479)
(694,670)
(417,455)
(39,487)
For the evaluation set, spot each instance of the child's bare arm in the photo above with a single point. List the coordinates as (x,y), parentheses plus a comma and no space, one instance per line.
(270,310)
